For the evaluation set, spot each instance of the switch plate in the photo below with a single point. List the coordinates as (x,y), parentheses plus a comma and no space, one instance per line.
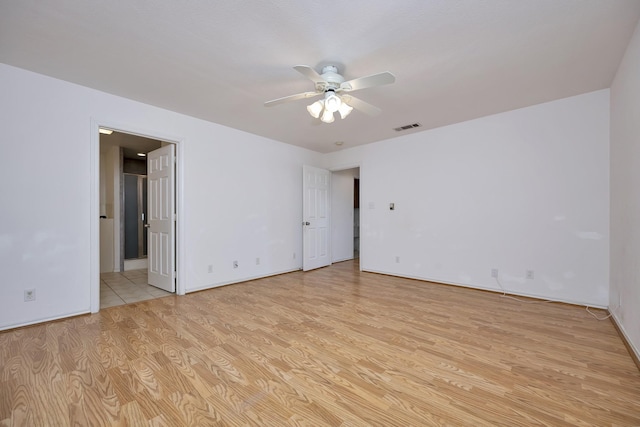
(210,268)
(392,206)
(30,295)
(494,272)
(235,264)
(530,274)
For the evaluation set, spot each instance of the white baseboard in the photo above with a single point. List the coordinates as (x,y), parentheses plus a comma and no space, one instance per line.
(42,320)
(245,279)
(630,345)
(136,264)
(496,289)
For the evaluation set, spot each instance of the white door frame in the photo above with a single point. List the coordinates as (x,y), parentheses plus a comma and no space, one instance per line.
(94,221)
(362,210)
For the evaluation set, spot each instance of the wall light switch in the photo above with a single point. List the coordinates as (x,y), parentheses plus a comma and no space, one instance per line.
(392,206)
(30,295)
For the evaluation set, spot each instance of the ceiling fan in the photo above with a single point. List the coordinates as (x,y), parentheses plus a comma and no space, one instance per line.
(335,90)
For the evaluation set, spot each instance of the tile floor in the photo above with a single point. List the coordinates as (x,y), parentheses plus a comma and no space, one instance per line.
(127,287)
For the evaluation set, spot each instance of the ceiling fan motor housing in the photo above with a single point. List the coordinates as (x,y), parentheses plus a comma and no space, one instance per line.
(332,80)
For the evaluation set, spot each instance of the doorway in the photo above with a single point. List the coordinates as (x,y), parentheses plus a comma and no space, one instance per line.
(135,213)
(123,194)
(356,216)
(331,216)
(119,247)
(345,215)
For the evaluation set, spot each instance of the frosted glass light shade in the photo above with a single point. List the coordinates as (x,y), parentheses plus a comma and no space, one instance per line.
(332,102)
(345,110)
(327,116)
(315,109)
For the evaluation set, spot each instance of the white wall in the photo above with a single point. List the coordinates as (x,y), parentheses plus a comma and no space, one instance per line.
(242,195)
(522,190)
(342,183)
(625,193)
(526,189)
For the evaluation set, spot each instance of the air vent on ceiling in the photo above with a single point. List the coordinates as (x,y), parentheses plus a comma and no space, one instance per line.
(407,127)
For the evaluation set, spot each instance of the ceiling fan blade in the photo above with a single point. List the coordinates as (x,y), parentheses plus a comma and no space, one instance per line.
(360,105)
(379,79)
(309,73)
(291,98)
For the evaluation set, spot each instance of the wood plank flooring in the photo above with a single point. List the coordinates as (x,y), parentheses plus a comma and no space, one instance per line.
(329,347)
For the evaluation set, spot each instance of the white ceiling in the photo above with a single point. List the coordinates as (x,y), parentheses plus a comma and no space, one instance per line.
(453,60)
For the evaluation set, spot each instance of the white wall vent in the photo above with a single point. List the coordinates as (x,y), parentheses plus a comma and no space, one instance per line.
(406,127)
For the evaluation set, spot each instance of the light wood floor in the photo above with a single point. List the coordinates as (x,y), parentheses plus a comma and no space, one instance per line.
(328,347)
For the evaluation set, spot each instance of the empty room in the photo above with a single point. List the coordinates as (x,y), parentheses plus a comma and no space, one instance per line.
(355,213)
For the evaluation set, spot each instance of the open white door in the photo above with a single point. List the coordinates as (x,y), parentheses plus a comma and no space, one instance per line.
(316,211)
(161,217)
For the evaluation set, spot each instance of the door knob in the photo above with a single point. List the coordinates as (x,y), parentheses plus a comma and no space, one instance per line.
(307,223)
(147,225)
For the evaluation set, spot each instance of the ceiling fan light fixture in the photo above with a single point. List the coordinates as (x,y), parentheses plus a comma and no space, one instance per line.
(345,110)
(335,89)
(316,108)
(332,102)
(327,116)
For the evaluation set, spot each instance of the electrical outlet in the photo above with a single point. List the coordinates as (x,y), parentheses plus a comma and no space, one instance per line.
(530,274)
(294,255)
(235,264)
(257,261)
(30,295)
(397,260)
(210,268)
(494,272)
